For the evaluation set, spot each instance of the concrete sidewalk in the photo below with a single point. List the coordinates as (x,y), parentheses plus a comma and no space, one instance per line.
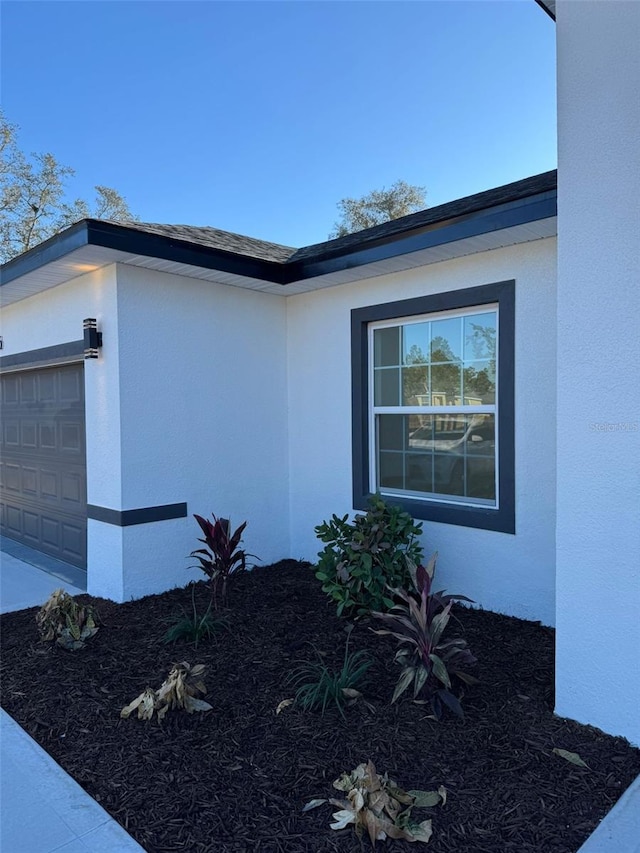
(45,810)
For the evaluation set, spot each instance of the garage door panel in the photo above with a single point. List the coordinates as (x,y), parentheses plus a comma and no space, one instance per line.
(13,519)
(43,491)
(29,435)
(73,543)
(71,387)
(71,438)
(30,482)
(31,525)
(11,435)
(10,390)
(48,440)
(72,490)
(47,387)
(28,388)
(11,477)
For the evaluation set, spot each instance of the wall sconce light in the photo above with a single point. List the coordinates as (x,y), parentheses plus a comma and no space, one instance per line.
(92,338)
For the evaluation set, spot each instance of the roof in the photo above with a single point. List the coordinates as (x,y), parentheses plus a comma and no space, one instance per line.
(549,7)
(215,239)
(517,212)
(431,216)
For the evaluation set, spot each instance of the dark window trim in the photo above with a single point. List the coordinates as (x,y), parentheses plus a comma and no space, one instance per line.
(144,515)
(45,357)
(501,519)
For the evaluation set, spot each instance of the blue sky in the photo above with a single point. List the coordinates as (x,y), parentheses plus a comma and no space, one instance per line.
(257,117)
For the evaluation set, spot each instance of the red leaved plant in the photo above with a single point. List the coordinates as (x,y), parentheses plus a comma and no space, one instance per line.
(429,662)
(222,557)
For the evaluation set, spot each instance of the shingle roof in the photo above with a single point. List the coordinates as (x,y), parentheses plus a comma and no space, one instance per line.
(250,247)
(214,238)
(506,207)
(515,191)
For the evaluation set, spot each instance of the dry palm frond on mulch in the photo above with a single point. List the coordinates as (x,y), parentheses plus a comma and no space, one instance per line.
(236,778)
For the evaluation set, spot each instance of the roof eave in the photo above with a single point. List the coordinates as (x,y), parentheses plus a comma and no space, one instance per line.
(507,215)
(549,7)
(467,224)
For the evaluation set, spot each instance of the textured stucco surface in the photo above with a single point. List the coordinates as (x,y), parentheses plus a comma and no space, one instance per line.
(203,397)
(511,574)
(598,539)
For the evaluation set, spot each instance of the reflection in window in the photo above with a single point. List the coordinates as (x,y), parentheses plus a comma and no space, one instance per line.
(438,454)
(420,367)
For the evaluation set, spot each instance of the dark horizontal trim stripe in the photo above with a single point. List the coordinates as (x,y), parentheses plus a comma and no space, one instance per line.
(144,515)
(72,351)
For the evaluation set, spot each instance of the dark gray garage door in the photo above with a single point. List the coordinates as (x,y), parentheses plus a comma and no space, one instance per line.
(43,484)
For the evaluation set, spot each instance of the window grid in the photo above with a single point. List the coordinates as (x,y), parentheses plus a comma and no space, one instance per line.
(439,408)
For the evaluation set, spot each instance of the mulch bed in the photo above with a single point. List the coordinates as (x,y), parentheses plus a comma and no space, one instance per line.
(235,779)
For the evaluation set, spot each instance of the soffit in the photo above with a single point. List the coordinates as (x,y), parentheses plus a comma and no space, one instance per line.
(89,258)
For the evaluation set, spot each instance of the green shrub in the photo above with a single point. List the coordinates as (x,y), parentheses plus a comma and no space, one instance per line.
(318,686)
(364,558)
(430,663)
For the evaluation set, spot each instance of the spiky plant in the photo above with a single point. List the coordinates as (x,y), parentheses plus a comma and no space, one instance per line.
(222,557)
(318,686)
(194,627)
(432,664)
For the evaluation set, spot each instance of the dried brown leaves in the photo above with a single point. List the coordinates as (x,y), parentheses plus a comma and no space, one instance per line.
(181,689)
(376,804)
(62,619)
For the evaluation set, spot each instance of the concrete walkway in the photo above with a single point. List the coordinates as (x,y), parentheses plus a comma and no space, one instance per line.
(45,810)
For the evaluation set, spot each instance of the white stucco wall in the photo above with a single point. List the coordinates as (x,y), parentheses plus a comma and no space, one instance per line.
(598,538)
(203,398)
(508,573)
(187,402)
(56,316)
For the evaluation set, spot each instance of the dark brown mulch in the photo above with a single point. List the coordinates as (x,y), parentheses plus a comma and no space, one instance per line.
(235,779)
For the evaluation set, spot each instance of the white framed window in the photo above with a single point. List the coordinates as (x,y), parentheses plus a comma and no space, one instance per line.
(433,405)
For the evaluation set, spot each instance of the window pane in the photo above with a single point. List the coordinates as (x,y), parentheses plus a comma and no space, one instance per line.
(479,383)
(415,343)
(481,478)
(387,387)
(415,386)
(391,470)
(419,472)
(446,340)
(446,384)
(386,347)
(445,455)
(391,430)
(480,336)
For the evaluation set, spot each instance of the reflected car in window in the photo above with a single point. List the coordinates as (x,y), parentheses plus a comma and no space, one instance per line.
(454,456)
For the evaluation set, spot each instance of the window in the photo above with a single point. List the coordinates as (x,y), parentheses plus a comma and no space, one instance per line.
(433,405)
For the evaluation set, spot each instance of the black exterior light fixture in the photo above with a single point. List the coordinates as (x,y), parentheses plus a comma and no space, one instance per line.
(92,338)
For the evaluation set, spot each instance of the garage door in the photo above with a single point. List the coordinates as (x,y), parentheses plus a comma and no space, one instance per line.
(43,484)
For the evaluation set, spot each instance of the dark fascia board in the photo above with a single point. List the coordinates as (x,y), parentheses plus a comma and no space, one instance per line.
(541,206)
(530,207)
(53,249)
(94,232)
(549,8)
